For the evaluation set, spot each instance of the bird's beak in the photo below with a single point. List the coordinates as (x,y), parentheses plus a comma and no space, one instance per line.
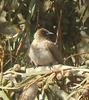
(49,33)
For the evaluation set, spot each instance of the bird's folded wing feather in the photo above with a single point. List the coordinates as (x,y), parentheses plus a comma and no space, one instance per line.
(55,51)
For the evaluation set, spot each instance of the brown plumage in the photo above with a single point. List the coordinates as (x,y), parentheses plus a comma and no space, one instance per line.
(42,50)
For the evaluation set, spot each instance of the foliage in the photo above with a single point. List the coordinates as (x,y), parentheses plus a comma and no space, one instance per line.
(19,19)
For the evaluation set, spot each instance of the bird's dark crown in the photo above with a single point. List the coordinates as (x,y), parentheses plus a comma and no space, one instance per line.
(42,33)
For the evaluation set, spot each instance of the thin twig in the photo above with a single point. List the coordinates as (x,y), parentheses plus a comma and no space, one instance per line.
(75,55)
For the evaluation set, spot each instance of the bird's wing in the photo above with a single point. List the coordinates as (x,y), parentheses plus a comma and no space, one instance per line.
(55,51)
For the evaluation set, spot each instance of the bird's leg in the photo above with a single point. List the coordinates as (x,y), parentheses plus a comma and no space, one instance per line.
(32,64)
(50,66)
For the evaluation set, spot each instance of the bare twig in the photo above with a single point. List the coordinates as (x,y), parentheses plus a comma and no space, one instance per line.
(78,54)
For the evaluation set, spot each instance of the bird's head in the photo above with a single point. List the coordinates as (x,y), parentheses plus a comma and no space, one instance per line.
(42,33)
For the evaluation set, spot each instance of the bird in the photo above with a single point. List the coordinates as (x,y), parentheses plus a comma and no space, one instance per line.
(42,50)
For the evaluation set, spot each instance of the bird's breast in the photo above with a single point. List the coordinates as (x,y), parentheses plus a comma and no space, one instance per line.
(40,54)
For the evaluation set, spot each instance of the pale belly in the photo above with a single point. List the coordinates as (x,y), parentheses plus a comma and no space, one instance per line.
(41,55)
